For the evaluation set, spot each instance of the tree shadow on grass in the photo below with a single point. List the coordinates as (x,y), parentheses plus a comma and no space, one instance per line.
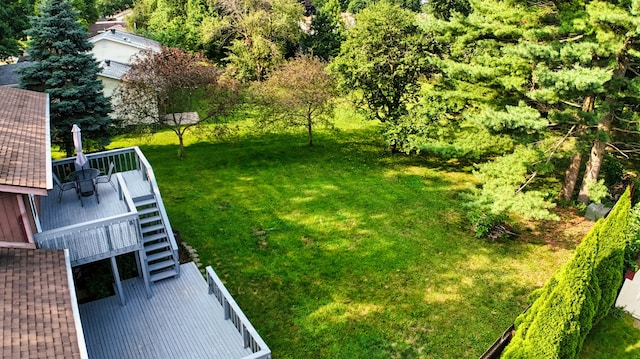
(343,250)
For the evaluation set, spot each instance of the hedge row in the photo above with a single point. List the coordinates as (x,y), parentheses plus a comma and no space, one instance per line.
(578,295)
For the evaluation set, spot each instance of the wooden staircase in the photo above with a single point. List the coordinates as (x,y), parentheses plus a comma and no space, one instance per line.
(161,261)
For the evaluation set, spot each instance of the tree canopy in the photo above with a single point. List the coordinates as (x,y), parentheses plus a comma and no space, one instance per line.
(173,89)
(299,93)
(63,68)
(14,19)
(545,82)
(381,62)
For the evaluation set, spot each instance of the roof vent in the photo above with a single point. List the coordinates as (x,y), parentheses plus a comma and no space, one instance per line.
(107,62)
(113,31)
(125,38)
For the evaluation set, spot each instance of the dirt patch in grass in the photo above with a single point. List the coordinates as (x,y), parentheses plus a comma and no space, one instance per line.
(565,233)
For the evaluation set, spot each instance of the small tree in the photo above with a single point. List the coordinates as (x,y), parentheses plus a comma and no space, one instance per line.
(164,89)
(299,93)
(64,68)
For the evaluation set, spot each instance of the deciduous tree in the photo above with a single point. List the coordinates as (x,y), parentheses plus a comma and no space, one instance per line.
(326,32)
(381,62)
(266,30)
(14,19)
(298,94)
(164,89)
(64,68)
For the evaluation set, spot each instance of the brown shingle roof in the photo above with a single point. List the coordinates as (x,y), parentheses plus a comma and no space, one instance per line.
(37,317)
(24,141)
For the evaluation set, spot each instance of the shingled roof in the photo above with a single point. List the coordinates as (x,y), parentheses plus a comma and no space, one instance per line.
(25,145)
(37,319)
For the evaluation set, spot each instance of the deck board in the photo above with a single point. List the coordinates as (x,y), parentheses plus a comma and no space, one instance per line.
(181,320)
(136,185)
(69,211)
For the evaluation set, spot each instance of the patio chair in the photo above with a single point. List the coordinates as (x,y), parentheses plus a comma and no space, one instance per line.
(63,186)
(107,178)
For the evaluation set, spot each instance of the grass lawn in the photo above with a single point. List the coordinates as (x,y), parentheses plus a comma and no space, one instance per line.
(344,250)
(613,337)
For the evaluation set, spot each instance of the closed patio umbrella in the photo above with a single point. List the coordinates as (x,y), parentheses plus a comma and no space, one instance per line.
(81,159)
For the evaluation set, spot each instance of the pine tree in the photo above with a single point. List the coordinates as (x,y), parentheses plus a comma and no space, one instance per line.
(558,78)
(64,68)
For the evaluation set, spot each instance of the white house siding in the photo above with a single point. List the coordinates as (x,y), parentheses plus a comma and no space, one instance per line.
(111,50)
(109,85)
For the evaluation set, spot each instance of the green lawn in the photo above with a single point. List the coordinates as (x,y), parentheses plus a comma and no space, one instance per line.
(613,337)
(344,250)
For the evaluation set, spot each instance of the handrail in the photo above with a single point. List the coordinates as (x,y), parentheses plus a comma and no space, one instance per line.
(151,177)
(232,311)
(123,191)
(89,224)
(125,159)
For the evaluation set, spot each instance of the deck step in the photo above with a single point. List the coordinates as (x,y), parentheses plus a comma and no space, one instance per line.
(156,256)
(156,246)
(163,275)
(158,252)
(145,202)
(149,210)
(152,228)
(155,237)
(146,220)
(161,265)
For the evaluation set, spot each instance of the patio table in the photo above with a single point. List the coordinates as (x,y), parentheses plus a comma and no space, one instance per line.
(84,180)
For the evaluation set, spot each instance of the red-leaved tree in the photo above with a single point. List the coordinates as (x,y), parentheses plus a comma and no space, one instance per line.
(173,89)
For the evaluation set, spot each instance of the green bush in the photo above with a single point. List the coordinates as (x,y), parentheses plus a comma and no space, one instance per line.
(633,240)
(578,295)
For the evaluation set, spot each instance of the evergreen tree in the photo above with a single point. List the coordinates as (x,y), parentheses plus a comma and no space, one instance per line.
(547,81)
(443,9)
(64,68)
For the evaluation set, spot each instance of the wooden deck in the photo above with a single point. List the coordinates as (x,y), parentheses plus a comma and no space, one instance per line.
(69,211)
(181,320)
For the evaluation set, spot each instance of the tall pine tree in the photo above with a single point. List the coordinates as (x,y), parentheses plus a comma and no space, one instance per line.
(547,82)
(64,68)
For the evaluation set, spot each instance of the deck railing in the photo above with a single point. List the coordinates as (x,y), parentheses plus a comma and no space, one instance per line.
(232,312)
(148,175)
(125,159)
(97,239)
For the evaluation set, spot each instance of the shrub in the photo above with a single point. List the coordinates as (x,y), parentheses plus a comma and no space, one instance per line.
(578,295)
(633,240)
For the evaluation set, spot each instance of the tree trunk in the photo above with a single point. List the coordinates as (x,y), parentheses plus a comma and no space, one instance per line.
(592,170)
(69,148)
(181,146)
(596,156)
(571,177)
(310,130)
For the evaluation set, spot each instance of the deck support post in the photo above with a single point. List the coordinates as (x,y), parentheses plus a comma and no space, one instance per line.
(142,268)
(138,263)
(118,283)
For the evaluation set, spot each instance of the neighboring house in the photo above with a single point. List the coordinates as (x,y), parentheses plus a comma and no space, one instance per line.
(168,311)
(115,50)
(111,73)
